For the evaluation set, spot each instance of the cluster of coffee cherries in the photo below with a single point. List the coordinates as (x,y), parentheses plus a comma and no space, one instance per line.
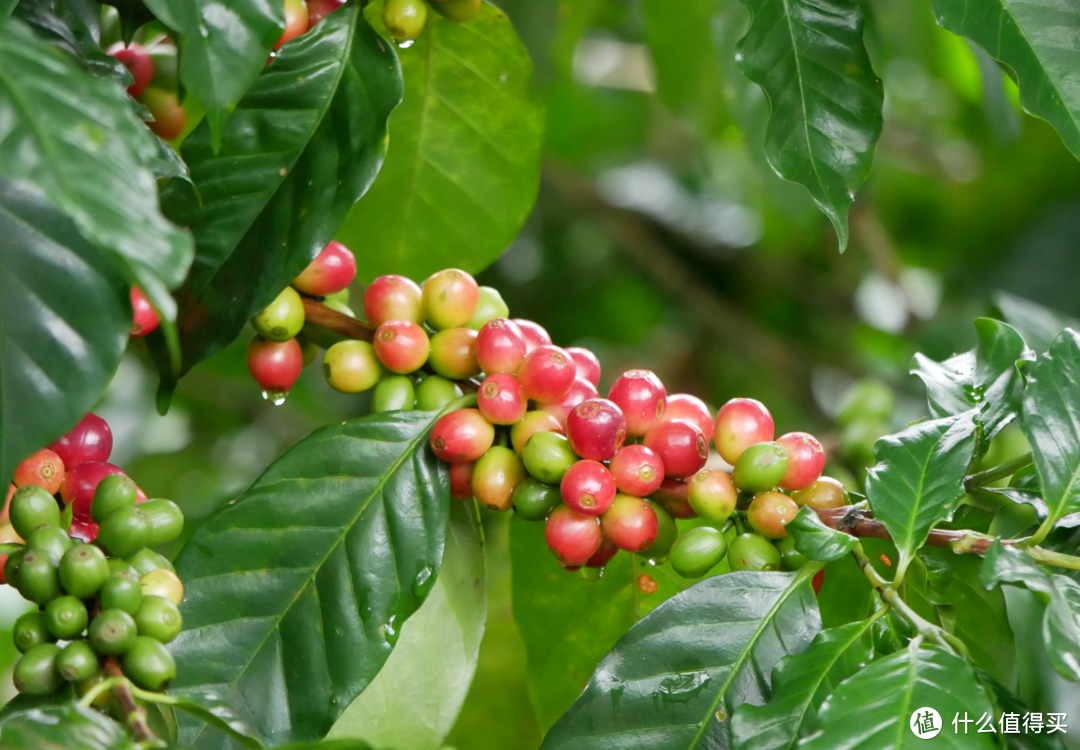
(405,19)
(79,535)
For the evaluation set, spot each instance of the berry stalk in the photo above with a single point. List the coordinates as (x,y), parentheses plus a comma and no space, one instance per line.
(134,714)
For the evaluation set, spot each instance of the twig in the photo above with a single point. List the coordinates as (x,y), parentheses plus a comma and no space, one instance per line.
(324,317)
(1006,469)
(134,714)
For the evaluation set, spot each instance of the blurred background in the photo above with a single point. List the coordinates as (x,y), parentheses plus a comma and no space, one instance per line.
(662,239)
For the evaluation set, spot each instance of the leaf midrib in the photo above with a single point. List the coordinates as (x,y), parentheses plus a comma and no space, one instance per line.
(802,95)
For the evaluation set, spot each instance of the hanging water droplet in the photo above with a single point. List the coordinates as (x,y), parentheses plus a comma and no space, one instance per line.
(277,398)
(423,582)
(592,574)
(389,631)
(406,44)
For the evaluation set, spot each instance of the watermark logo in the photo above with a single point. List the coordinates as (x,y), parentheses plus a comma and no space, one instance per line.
(925,723)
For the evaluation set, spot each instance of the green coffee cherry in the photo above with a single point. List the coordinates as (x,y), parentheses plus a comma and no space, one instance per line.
(404,19)
(31,507)
(123,592)
(696,551)
(82,570)
(77,662)
(790,558)
(38,579)
(666,535)
(753,552)
(85,686)
(124,532)
(435,392)
(149,664)
(35,673)
(458,11)
(163,583)
(11,567)
(31,630)
(121,567)
(491,306)
(66,617)
(51,539)
(159,618)
(113,632)
(146,560)
(761,467)
(533,500)
(114,492)
(283,318)
(341,298)
(166,521)
(393,393)
(547,456)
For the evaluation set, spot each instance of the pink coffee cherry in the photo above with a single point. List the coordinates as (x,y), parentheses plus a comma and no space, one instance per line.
(462,435)
(571,536)
(275,365)
(501,399)
(534,333)
(603,555)
(402,346)
(587,363)
(806,460)
(740,423)
(581,390)
(450,297)
(673,496)
(596,429)
(135,58)
(691,409)
(642,398)
(630,523)
(90,440)
(588,487)
(331,271)
(532,423)
(681,447)
(547,373)
(500,346)
(393,298)
(145,318)
(638,470)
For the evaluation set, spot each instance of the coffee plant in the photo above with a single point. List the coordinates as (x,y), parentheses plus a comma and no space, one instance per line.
(322,181)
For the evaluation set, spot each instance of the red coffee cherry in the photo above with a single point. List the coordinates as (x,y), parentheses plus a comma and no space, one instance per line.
(712,495)
(596,429)
(603,555)
(43,468)
(331,271)
(501,399)
(296,21)
(630,523)
(547,373)
(588,487)
(817,580)
(587,363)
(462,435)
(690,409)
(135,58)
(90,440)
(80,483)
(500,346)
(532,423)
(637,470)
(770,512)
(393,298)
(461,474)
(145,318)
(534,334)
(453,353)
(643,399)
(740,423)
(275,365)
(680,445)
(320,9)
(402,346)
(83,530)
(806,460)
(581,390)
(571,536)
(673,495)
(450,298)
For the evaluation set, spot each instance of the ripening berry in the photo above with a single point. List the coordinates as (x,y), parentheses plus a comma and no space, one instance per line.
(642,398)
(740,423)
(760,467)
(80,484)
(351,366)
(587,364)
(596,429)
(169,117)
(135,58)
(453,353)
(164,583)
(275,365)
(673,495)
(497,474)
(826,492)
(491,306)
(547,456)
(402,346)
(712,495)
(690,409)
(461,474)
(753,552)
(581,390)
(547,373)
(571,536)
(462,435)
(770,512)
(501,399)
(696,551)
(458,11)
(43,468)
(404,19)
(145,318)
(296,21)
(283,318)
(588,487)
(532,423)
(534,334)
(332,270)
(500,346)
(602,556)
(393,298)
(630,523)
(806,460)
(90,440)
(320,9)
(680,445)
(450,298)
(637,469)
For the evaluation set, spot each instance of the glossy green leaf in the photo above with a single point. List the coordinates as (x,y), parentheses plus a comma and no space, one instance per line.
(162,722)
(210,708)
(304,144)
(816,540)
(1051,423)
(1037,39)
(330,745)
(22,703)
(464,168)
(826,100)
(221,52)
(1038,325)
(845,594)
(1006,702)
(64,323)
(872,710)
(919,478)
(415,699)
(70,727)
(674,680)
(62,25)
(295,593)
(800,683)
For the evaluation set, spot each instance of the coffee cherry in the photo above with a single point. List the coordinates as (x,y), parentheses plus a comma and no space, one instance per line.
(450,299)
(532,423)
(712,495)
(740,423)
(7,535)
(453,353)
(602,556)
(66,617)
(534,333)
(500,346)
(498,472)
(588,487)
(637,470)
(580,391)
(753,552)
(123,568)
(673,494)
(81,483)
(124,532)
(404,19)
(461,474)
(31,507)
(83,570)
(643,399)
(501,399)
(760,467)
(826,492)
(547,373)
(112,493)
(351,366)
(393,298)
(38,580)
(817,581)
(630,523)
(35,672)
(52,540)
(85,686)
(296,21)
(491,306)
(43,468)
(275,365)
(790,558)
(146,560)
(320,9)
(83,530)
(332,270)
(596,429)
(165,521)
(31,630)
(164,583)
(586,364)
(402,346)
(571,536)
(135,58)
(462,435)
(149,664)
(283,318)
(436,392)
(666,534)
(77,662)
(770,512)
(169,116)
(158,618)
(533,500)
(806,459)
(123,592)
(696,551)
(690,409)
(458,11)
(11,567)
(145,317)
(393,393)
(681,446)
(89,441)
(113,632)
(547,456)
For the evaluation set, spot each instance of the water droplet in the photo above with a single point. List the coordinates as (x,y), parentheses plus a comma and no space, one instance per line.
(277,398)
(423,582)
(682,688)
(362,604)
(616,695)
(407,43)
(389,631)
(592,574)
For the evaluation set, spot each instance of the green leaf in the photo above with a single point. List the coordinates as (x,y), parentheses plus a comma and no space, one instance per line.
(872,710)
(1036,40)
(1038,325)
(415,700)
(64,323)
(800,683)
(295,593)
(826,101)
(1051,423)
(464,169)
(22,703)
(221,52)
(304,144)
(61,25)
(845,594)
(75,137)
(71,727)
(919,478)
(1006,702)
(210,708)
(677,676)
(329,745)
(816,540)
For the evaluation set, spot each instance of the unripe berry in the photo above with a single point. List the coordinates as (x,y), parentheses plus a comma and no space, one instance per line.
(462,435)
(752,552)
(826,492)
(436,392)
(158,618)
(673,495)
(122,592)
(498,472)
(450,298)
(491,306)
(806,459)
(712,495)
(77,661)
(7,535)
(642,398)
(586,364)
(501,399)
(43,468)
(332,270)
(149,664)
(596,429)
(169,116)
(66,617)
(83,570)
(534,333)
(602,556)
(571,536)
(145,317)
(90,440)
(36,672)
(666,534)
(404,19)
(296,21)
(461,474)
(275,366)
(690,409)
(402,346)
(124,532)
(533,500)
(320,9)
(532,423)
(351,366)
(113,632)
(112,493)
(283,318)
(51,539)
(770,512)
(30,630)
(458,11)
(588,487)
(630,523)
(393,298)
(453,353)
(637,469)
(393,393)
(38,579)
(740,423)
(500,346)
(164,583)
(80,484)
(681,446)
(547,456)
(135,58)
(760,467)
(547,373)
(696,551)
(790,558)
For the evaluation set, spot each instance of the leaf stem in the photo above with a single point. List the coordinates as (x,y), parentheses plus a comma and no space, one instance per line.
(95,692)
(1007,469)
(134,714)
